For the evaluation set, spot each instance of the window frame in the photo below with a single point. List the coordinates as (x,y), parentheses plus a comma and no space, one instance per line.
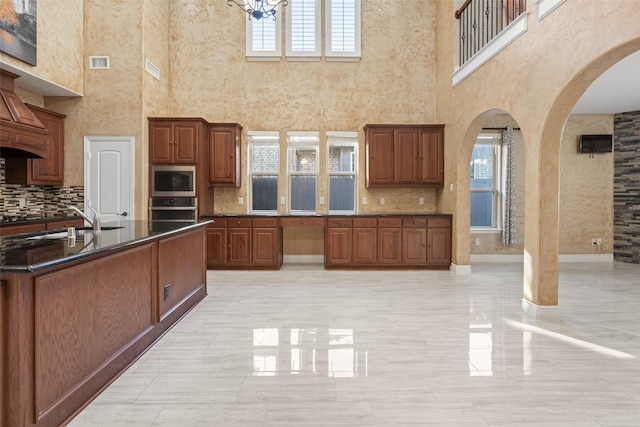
(494,139)
(263,55)
(342,139)
(297,55)
(330,53)
(310,141)
(261,138)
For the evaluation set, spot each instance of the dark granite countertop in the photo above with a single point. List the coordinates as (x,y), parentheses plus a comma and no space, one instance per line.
(28,252)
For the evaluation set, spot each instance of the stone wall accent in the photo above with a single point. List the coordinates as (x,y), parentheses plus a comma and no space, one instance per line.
(626,196)
(40,200)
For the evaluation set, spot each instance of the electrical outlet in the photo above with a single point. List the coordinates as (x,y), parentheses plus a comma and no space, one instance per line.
(599,241)
(166,291)
(421,201)
(450,187)
(283,201)
(476,242)
(321,200)
(364,201)
(23,202)
(382,200)
(241,200)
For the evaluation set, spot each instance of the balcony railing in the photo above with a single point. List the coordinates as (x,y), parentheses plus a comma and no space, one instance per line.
(482,20)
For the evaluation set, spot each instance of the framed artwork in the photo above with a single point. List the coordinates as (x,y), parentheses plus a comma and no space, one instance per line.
(19,29)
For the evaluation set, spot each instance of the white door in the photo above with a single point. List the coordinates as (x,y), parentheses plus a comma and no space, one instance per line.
(108,177)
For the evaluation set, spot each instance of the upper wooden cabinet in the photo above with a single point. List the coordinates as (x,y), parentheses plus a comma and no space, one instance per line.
(175,140)
(224,155)
(47,171)
(404,155)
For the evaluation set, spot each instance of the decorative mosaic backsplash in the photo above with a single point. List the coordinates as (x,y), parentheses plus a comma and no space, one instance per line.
(626,188)
(36,201)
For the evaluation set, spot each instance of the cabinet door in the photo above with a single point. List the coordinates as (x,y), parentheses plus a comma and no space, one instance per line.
(160,142)
(338,250)
(49,171)
(224,156)
(216,246)
(265,246)
(380,162)
(439,246)
(239,246)
(185,143)
(389,245)
(414,246)
(432,156)
(405,152)
(364,245)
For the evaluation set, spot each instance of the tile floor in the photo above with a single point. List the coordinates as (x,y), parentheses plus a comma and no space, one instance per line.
(309,347)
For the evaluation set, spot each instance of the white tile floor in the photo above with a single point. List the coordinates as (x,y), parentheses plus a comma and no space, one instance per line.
(309,347)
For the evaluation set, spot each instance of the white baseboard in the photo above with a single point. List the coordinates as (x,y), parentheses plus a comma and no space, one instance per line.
(460,269)
(303,259)
(540,312)
(506,258)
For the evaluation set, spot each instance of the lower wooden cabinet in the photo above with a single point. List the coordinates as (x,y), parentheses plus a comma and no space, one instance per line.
(243,242)
(420,241)
(387,241)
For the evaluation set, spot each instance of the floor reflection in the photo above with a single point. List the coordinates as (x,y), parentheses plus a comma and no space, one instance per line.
(317,351)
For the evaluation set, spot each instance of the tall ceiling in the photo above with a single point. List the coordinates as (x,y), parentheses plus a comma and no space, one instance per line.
(617,90)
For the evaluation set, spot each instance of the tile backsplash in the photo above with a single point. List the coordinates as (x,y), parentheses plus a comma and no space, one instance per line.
(36,201)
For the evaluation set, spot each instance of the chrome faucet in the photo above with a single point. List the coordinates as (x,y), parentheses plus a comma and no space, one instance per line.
(95,222)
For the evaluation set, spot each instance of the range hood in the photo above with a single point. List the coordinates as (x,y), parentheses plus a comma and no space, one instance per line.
(21,133)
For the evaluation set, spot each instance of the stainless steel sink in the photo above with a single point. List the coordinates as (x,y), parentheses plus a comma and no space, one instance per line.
(101,228)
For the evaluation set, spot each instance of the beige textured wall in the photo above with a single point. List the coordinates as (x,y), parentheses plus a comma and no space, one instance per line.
(60,57)
(393,83)
(586,189)
(537,93)
(586,192)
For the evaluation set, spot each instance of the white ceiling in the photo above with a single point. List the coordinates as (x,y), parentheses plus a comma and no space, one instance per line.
(617,90)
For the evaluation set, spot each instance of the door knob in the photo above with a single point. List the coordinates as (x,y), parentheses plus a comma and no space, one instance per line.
(123,214)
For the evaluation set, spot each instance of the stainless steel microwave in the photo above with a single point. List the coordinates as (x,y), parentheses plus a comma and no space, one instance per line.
(173,181)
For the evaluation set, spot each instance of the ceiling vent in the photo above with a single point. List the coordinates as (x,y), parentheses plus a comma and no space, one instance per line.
(152,69)
(99,62)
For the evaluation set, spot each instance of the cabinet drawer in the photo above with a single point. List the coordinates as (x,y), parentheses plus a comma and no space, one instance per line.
(439,222)
(265,222)
(239,222)
(302,221)
(414,222)
(364,222)
(338,222)
(389,222)
(217,222)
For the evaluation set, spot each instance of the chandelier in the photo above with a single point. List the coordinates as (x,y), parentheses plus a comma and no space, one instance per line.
(259,9)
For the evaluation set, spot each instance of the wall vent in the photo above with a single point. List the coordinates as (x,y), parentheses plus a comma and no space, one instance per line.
(152,69)
(99,62)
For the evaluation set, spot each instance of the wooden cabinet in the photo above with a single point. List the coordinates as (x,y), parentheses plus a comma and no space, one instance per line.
(46,171)
(224,155)
(338,241)
(439,241)
(365,236)
(389,241)
(175,140)
(414,241)
(241,242)
(267,242)
(404,155)
(7,230)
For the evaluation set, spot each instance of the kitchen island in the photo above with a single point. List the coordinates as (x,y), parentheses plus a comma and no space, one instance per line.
(76,312)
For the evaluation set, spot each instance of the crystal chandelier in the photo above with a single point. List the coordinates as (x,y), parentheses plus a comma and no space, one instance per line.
(259,9)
